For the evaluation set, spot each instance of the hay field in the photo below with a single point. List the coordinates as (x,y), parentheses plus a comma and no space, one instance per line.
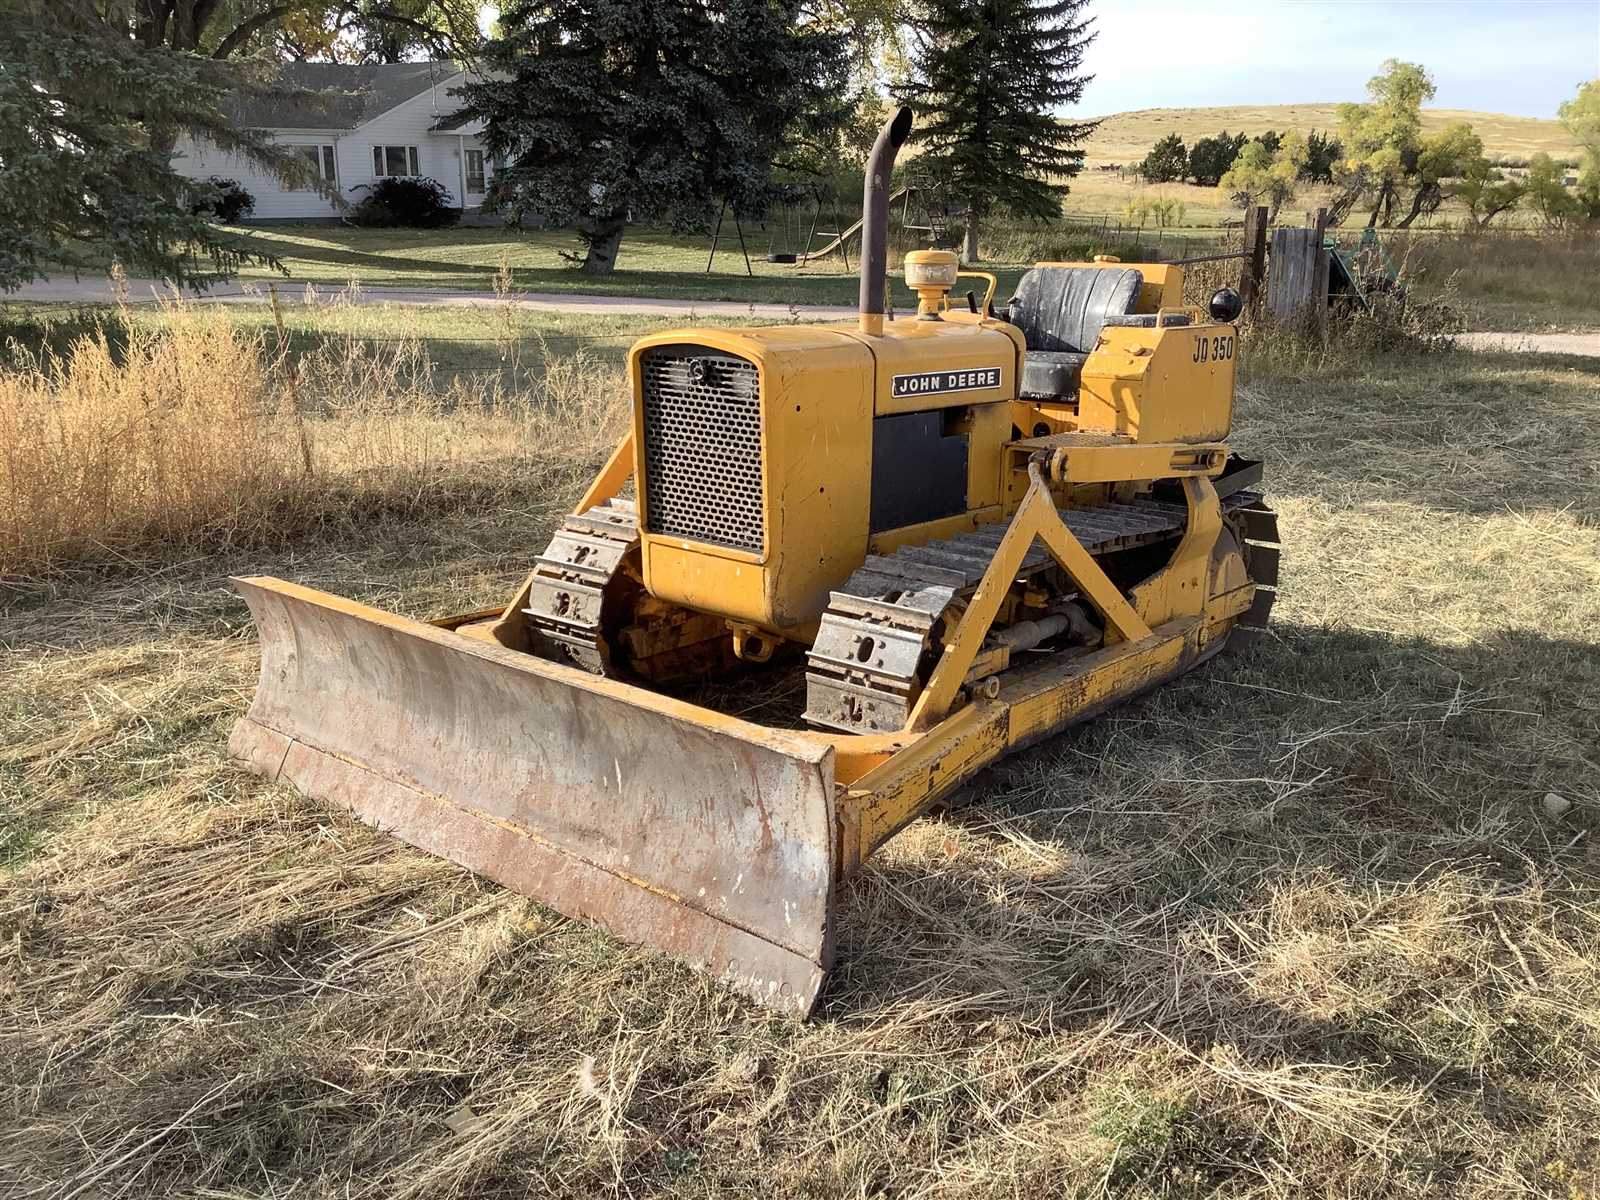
(1126,137)
(1305,922)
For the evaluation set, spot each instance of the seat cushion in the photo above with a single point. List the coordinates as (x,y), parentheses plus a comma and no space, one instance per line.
(1064,308)
(1051,372)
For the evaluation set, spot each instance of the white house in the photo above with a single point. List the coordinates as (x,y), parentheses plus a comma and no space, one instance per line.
(355,124)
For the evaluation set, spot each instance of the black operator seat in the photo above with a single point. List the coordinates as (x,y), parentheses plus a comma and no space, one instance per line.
(1061,311)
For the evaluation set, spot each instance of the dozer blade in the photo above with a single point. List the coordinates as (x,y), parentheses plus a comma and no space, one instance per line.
(702,835)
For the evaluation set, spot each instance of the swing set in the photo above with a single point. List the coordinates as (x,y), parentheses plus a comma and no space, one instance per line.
(802,208)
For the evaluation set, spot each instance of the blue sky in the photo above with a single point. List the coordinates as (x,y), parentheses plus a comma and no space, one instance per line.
(1509,56)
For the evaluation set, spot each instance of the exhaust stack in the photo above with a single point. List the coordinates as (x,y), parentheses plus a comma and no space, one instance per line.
(875,221)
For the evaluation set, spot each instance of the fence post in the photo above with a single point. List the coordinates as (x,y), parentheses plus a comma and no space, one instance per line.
(1320,277)
(1292,298)
(1255,263)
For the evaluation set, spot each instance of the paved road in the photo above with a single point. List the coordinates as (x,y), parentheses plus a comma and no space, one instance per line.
(92,291)
(146,291)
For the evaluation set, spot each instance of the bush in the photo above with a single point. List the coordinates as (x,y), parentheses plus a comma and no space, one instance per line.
(1159,211)
(1211,157)
(1168,160)
(412,203)
(225,199)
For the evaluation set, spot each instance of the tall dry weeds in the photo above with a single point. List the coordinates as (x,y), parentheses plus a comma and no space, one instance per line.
(206,431)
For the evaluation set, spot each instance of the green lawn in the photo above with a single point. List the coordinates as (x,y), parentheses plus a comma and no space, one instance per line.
(652,263)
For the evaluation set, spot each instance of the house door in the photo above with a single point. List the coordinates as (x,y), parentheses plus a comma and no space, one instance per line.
(474,181)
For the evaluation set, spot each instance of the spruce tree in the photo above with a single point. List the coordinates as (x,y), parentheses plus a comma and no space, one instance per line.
(989,77)
(85,172)
(610,111)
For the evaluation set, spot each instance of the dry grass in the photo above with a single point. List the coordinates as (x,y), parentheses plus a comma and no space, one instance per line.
(1509,281)
(204,430)
(1298,924)
(1126,137)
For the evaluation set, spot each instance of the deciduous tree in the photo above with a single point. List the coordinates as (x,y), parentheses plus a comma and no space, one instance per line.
(1439,157)
(369,30)
(1261,175)
(1485,190)
(1547,194)
(1581,116)
(1383,137)
(989,79)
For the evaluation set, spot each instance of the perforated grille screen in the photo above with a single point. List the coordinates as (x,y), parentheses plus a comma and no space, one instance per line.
(702,446)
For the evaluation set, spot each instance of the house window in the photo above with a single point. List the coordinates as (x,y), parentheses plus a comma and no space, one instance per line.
(475,180)
(395,160)
(321,161)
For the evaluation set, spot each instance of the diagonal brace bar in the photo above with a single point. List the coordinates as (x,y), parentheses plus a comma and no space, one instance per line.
(1036,518)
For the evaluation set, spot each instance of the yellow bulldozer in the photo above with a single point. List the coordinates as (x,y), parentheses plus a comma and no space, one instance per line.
(929,541)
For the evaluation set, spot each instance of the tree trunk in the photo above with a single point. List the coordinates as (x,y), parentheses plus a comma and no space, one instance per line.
(1423,196)
(602,239)
(969,243)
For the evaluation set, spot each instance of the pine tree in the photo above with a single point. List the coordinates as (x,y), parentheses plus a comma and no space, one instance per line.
(85,173)
(988,79)
(610,111)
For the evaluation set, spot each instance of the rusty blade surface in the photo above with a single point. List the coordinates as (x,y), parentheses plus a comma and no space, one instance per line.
(662,823)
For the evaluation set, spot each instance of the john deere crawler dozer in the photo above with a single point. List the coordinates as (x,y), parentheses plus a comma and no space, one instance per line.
(954,534)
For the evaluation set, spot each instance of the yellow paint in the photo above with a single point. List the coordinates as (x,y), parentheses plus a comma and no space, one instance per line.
(1110,458)
(1151,407)
(816,410)
(909,346)
(891,540)
(617,471)
(1154,385)
(1036,519)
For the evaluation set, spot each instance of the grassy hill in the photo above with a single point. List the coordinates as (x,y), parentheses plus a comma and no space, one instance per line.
(1126,137)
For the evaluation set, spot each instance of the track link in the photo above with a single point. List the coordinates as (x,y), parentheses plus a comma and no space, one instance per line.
(882,629)
(567,595)
(1256,527)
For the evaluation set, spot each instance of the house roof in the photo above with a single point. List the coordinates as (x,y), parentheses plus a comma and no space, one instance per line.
(339,95)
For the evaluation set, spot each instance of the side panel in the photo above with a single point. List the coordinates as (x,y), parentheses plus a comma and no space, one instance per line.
(942,364)
(1161,385)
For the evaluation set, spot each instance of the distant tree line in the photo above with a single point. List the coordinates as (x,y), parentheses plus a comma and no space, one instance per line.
(1210,158)
(1383,165)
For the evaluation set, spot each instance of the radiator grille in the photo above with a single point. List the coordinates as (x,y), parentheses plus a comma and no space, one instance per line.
(702,446)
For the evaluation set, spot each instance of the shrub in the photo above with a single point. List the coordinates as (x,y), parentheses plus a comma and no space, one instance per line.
(1212,156)
(1159,211)
(226,199)
(1168,160)
(413,203)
